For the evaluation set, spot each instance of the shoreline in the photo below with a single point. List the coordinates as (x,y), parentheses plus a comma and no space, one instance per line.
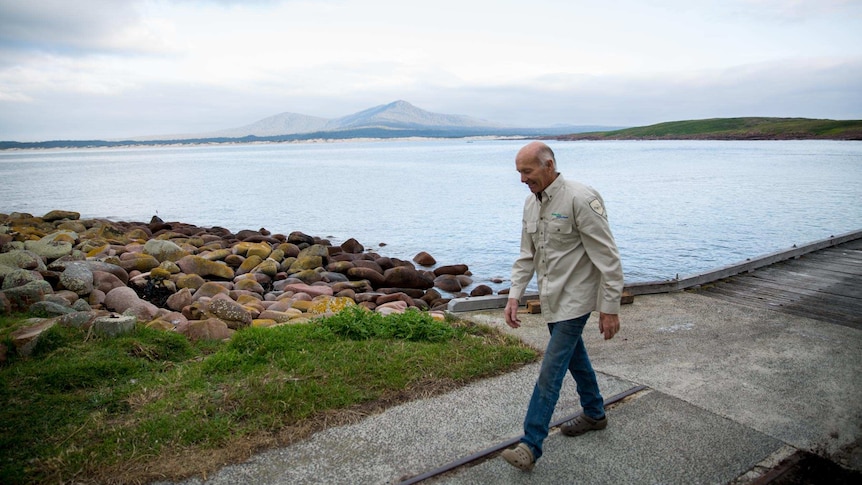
(177,276)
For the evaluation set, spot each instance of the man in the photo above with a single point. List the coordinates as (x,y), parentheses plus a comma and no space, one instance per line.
(566,241)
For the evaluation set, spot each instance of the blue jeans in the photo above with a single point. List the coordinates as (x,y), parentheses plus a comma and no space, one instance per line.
(566,351)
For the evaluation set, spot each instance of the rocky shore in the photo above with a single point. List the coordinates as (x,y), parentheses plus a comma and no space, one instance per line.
(198,281)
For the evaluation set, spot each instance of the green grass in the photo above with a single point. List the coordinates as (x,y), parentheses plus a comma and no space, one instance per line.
(151,404)
(736,128)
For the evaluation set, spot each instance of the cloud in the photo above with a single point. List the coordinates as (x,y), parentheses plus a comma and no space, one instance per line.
(76,28)
(100,68)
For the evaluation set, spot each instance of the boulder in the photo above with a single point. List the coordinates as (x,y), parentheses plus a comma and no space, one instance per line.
(209,329)
(47,309)
(249,264)
(77,277)
(24,339)
(121,299)
(448,283)
(352,246)
(50,248)
(424,259)
(57,215)
(482,290)
(231,312)
(406,277)
(261,249)
(106,282)
(374,277)
(19,277)
(326,305)
(180,299)
(309,289)
(268,267)
(248,284)
(164,250)
(454,269)
(21,258)
(209,290)
(298,238)
(191,281)
(392,307)
(197,265)
(138,262)
(21,297)
(308,261)
(114,269)
(281,316)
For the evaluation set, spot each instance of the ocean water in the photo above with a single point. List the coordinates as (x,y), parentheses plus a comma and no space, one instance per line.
(676,207)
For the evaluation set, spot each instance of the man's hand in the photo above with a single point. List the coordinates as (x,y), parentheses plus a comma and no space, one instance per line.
(609,324)
(511,313)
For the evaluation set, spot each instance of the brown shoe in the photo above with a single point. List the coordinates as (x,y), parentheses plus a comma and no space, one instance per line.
(583,423)
(520,457)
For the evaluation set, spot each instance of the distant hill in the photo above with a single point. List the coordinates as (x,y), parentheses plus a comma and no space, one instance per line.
(398,119)
(398,115)
(733,129)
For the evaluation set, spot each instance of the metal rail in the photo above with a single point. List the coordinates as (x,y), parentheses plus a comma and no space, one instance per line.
(677,284)
(501,446)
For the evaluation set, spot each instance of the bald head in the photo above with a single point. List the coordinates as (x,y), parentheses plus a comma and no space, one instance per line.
(537,152)
(537,166)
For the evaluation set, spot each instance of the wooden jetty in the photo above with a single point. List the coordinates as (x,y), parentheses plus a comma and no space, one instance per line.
(824,285)
(820,280)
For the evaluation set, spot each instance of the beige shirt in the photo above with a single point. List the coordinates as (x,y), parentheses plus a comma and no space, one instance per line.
(567,242)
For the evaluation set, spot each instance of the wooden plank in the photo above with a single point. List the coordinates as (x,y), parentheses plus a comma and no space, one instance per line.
(789,307)
(777,292)
(827,265)
(791,273)
(828,286)
(749,291)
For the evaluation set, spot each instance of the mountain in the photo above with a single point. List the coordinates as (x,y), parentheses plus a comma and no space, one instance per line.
(280,124)
(398,119)
(399,115)
(403,115)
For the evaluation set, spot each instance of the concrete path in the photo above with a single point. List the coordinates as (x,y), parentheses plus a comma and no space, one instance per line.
(731,391)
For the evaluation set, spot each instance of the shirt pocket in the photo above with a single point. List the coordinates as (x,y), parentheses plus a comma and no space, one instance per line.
(531,227)
(561,234)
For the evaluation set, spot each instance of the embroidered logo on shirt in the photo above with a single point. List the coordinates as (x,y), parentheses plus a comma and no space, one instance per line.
(597,207)
(557,215)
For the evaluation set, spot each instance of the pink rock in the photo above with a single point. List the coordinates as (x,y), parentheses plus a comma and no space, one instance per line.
(104,281)
(180,299)
(121,299)
(311,290)
(209,329)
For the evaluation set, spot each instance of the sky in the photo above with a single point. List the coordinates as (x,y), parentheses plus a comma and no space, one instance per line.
(108,69)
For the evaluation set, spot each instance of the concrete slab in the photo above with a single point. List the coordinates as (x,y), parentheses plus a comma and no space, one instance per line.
(789,377)
(652,439)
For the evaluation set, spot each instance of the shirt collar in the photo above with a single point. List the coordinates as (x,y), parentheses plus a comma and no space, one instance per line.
(552,189)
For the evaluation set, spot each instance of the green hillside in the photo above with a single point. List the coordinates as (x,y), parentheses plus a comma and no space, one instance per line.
(734,129)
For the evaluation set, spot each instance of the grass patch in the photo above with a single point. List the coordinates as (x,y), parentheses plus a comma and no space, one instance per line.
(151,405)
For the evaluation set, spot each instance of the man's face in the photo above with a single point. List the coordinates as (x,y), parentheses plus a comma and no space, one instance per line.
(534,174)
